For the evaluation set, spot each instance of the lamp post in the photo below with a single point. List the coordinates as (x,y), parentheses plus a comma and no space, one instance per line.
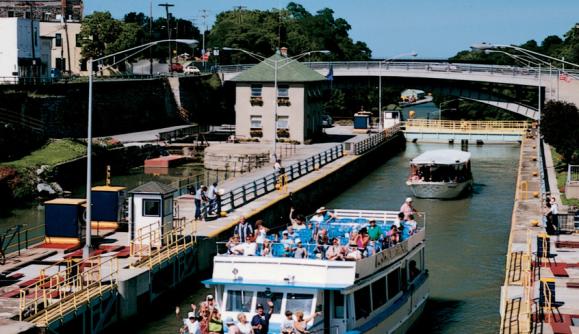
(385,61)
(490,46)
(91,61)
(274,64)
(440,110)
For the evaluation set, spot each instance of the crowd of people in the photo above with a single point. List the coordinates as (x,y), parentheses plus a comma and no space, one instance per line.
(206,319)
(207,200)
(305,238)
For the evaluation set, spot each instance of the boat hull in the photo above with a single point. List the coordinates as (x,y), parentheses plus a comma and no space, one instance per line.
(442,190)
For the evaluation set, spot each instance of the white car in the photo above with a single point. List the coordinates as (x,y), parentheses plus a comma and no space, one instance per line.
(190,69)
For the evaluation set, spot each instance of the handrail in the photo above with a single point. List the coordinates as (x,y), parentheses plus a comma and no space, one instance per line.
(362,146)
(248,192)
(25,238)
(518,127)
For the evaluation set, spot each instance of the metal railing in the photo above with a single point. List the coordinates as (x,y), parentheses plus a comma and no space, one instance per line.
(502,127)
(23,238)
(52,297)
(267,184)
(373,140)
(572,173)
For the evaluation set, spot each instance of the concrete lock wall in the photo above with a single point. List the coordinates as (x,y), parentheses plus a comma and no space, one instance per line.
(132,283)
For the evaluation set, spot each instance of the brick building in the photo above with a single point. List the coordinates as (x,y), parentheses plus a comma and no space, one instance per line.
(45,10)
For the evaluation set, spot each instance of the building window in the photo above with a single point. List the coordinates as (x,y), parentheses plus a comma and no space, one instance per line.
(363,302)
(283,91)
(60,63)
(255,122)
(77,40)
(283,122)
(57,40)
(151,208)
(256,90)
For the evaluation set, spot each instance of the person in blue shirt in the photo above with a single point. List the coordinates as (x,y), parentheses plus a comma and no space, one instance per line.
(260,321)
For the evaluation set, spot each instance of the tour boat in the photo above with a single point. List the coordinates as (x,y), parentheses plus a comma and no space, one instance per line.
(383,292)
(440,174)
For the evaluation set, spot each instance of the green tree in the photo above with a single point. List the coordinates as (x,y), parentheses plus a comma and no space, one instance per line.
(560,128)
(336,103)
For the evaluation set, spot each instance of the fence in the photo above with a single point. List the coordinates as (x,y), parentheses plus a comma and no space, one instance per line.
(18,238)
(502,127)
(253,190)
(360,147)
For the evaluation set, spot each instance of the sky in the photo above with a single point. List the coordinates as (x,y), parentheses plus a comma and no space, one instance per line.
(432,28)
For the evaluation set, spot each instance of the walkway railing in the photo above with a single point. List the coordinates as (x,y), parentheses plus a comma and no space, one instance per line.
(500,127)
(52,297)
(265,185)
(360,147)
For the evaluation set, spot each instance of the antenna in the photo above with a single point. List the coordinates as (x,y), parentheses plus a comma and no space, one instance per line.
(239,10)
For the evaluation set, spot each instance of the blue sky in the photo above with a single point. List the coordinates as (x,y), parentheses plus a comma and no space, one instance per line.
(433,28)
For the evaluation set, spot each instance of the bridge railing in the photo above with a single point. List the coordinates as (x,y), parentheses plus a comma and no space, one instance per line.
(424,125)
(271,182)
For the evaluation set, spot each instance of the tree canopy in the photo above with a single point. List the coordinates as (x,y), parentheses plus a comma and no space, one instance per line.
(560,128)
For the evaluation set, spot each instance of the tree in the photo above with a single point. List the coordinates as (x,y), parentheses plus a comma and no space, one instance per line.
(336,104)
(560,128)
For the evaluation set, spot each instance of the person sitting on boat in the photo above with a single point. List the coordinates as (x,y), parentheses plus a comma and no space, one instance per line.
(266,250)
(301,323)
(298,221)
(362,242)
(285,240)
(287,325)
(300,252)
(353,254)
(260,321)
(322,215)
(352,238)
(191,324)
(407,208)
(233,241)
(244,325)
(374,231)
(399,219)
(215,323)
(260,232)
(412,224)
(247,248)
(392,237)
(404,232)
(291,233)
(322,242)
(210,302)
(336,252)
(231,327)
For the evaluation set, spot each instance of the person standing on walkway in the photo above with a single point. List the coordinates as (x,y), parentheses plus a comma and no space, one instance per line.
(212,197)
(200,198)
(554,214)
(243,229)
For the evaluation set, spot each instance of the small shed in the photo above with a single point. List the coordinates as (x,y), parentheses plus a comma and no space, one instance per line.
(64,220)
(150,212)
(108,206)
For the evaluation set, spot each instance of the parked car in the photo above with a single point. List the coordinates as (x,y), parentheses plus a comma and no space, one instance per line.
(327,121)
(176,67)
(191,69)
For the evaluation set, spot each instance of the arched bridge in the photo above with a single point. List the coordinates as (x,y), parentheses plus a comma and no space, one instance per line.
(481,83)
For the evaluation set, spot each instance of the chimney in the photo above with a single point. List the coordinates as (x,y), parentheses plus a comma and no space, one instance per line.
(283,51)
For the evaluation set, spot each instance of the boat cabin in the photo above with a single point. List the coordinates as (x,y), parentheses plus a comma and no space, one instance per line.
(441,166)
(366,294)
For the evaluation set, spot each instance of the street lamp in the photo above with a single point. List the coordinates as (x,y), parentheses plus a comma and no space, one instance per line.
(527,59)
(274,64)
(385,61)
(140,48)
(489,46)
(440,110)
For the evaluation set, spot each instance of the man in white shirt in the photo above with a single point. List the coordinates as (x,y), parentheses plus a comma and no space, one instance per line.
(554,213)
(191,324)
(212,196)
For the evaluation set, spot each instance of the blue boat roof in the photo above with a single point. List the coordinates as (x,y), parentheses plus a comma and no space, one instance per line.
(220,281)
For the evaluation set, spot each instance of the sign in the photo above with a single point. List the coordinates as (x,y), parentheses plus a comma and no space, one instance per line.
(389,255)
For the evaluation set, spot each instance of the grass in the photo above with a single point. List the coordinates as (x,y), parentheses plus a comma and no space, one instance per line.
(54,152)
(561,170)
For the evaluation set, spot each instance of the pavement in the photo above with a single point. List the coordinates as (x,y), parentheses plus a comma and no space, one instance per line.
(148,136)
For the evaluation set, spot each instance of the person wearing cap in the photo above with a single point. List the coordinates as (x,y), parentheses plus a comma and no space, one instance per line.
(244,325)
(231,327)
(407,209)
(287,325)
(260,321)
(211,304)
(191,325)
(300,252)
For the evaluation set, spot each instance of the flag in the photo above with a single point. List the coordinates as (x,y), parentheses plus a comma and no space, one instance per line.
(564,77)
(330,75)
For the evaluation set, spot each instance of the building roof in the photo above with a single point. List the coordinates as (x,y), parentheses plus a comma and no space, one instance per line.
(153,187)
(442,157)
(66,201)
(108,188)
(289,70)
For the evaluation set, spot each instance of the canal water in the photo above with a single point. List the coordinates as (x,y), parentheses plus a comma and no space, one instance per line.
(467,241)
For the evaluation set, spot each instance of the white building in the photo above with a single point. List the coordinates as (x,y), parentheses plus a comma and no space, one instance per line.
(299,102)
(20,55)
(66,48)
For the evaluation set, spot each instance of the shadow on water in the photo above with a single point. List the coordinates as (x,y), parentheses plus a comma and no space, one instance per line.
(438,315)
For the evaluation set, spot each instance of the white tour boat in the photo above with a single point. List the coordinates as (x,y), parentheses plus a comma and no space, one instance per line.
(440,174)
(383,292)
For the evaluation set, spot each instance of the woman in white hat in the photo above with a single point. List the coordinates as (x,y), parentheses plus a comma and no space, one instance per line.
(407,208)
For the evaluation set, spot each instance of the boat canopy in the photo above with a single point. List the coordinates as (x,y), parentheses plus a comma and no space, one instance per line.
(442,157)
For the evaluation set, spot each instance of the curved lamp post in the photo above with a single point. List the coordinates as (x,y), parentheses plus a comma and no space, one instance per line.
(386,61)
(91,61)
(275,65)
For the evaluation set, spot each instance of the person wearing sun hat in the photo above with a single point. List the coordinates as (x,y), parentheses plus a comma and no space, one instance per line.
(407,208)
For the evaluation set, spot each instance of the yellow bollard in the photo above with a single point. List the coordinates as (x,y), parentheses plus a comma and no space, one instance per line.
(534,223)
(223,213)
(535,173)
(535,194)
(534,158)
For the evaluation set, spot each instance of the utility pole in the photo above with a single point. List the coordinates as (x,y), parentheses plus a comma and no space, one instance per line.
(150,36)
(167,5)
(204,15)
(239,9)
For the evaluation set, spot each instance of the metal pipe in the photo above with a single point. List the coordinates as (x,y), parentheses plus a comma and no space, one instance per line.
(86,250)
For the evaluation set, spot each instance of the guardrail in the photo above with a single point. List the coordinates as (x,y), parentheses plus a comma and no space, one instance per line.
(265,185)
(18,238)
(424,125)
(360,147)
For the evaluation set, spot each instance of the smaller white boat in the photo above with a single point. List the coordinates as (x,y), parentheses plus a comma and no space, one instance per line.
(440,174)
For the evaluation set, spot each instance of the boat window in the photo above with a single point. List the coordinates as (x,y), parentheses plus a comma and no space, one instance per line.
(239,301)
(275,297)
(379,293)
(393,283)
(363,302)
(415,266)
(338,305)
(299,302)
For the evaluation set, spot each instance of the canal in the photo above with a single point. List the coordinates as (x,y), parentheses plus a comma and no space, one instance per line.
(467,241)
